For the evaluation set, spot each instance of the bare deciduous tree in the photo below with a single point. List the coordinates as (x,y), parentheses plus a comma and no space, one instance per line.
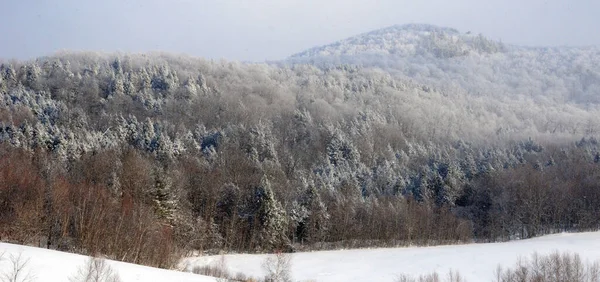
(278,267)
(555,267)
(18,269)
(95,270)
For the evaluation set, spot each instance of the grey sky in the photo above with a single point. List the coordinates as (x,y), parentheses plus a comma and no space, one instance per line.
(274,29)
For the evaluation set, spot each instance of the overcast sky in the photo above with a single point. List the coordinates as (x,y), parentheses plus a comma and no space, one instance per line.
(255,30)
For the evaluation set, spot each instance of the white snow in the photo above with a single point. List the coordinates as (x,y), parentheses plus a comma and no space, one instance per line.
(476,262)
(53,266)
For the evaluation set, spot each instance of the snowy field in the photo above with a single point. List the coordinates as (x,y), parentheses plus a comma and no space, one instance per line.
(52,266)
(476,262)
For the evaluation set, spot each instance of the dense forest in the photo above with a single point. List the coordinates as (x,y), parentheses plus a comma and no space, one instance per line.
(142,157)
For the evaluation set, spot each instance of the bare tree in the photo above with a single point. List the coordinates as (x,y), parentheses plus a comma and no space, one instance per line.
(17,272)
(452,276)
(220,272)
(278,267)
(555,267)
(95,270)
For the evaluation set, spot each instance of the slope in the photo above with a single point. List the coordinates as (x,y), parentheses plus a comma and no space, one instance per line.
(53,266)
(447,59)
(476,262)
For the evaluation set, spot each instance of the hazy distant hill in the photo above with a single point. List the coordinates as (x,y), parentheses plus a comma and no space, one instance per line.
(446,58)
(408,40)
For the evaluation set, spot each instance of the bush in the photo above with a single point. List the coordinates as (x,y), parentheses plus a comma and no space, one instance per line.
(278,268)
(556,267)
(17,270)
(433,277)
(95,270)
(221,272)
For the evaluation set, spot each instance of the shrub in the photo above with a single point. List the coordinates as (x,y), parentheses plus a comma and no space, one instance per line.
(432,277)
(95,270)
(221,272)
(17,270)
(278,267)
(555,267)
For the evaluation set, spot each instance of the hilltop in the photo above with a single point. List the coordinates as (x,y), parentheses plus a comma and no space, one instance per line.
(445,59)
(408,40)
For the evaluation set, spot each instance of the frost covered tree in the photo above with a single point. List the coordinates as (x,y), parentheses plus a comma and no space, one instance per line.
(271,218)
(310,216)
(419,143)
(117,85)
(162,195)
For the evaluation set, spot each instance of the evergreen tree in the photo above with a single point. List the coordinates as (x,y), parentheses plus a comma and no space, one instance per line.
(271,218)
(162,195)
(315,225)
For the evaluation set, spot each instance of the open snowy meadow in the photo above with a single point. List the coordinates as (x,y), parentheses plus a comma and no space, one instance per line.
(475,262)
(42,265)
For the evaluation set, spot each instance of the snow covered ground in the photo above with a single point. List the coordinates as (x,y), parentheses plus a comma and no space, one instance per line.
(52,266)
(476,262)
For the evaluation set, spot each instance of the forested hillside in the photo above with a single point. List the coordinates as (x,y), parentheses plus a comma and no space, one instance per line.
(447,59)
(144,156)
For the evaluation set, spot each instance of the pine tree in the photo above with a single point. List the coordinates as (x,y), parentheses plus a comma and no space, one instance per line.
(163,196)
(145,80)
(9,74)
(341,150)
(129,87)
(150,141)
(32,76)
(190,88)
(454,180)
(202,84)
(271,218)
(117,85)
(314,228)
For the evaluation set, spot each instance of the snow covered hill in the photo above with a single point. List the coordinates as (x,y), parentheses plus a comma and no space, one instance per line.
(53,266)
(408,40)
(476,262)
(445,59)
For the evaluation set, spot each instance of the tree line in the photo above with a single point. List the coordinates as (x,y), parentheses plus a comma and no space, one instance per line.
(145,157)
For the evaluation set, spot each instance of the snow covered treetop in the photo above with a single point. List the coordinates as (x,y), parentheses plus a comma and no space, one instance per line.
(408,40)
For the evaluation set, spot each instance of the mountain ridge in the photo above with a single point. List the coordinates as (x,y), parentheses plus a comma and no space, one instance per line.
(444,58)
(407,40)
